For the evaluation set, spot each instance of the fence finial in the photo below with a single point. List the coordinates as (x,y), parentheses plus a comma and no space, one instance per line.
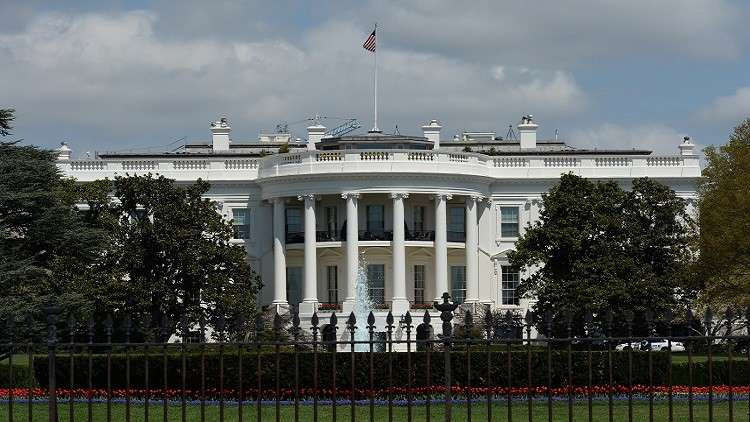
(351,322)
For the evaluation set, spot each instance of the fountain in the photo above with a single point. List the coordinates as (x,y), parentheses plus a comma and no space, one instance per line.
(362,306)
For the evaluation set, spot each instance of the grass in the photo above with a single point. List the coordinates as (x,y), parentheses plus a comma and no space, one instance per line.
(479,412)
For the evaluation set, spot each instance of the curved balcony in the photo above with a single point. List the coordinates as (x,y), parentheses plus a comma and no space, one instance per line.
(375,235)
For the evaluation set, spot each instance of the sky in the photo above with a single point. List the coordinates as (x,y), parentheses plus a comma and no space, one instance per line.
(107,75)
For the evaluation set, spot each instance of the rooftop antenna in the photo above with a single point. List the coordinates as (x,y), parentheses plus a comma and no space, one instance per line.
(557,133)
(282,127)
(395,131)
(511,135)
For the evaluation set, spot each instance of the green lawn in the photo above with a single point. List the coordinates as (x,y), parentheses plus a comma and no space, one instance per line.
(479,412)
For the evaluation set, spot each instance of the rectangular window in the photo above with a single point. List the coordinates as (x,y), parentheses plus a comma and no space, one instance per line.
(508,221)
(376,282)
(241,223)
(419,284)
(419,218)
(294,285)
(456,224)
(458,283)
(510,278)
(294,223)
(333,283)
(331,225)
(375,219)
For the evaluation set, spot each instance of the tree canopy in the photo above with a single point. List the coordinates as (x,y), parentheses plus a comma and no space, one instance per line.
(43,240)
(600,248)
(169,254)
(724,204)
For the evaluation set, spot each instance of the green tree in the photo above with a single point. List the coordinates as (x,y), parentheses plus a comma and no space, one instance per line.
(597,247)
(6,117)
(44,244)
(724,215)
(169,256)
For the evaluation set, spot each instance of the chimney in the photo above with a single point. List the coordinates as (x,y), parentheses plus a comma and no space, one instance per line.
(687,147)
(527,132)
(431,131)
(220,134)
(64,152)
(314,135)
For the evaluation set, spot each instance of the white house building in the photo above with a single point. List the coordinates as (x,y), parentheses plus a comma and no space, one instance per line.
(418,214)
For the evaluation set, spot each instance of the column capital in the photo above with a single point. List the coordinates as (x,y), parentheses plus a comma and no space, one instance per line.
(443,196)
(347,195)
(476,197)
(399,195)
(310,196)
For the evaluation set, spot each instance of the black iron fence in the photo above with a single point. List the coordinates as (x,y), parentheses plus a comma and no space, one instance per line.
(490,366)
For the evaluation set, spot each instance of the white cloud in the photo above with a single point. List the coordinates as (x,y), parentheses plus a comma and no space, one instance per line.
(117,77)
(730,108)
(657,137)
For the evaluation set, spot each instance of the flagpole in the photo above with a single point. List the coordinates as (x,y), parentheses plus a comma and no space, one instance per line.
(375,128)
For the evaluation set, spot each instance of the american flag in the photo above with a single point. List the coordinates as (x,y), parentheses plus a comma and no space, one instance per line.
(370,43)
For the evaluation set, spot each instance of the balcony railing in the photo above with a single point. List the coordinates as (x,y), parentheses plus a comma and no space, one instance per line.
(423,235)
(329,236)
(456,236)
(373,235)
(295,237)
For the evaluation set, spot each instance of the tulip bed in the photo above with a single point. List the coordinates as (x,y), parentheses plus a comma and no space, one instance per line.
(398,394)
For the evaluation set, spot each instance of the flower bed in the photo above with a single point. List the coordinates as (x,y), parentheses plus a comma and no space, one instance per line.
(418,394)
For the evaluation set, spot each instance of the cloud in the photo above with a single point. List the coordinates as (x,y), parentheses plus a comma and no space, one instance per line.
(730,108)
(550,33)
(657,137)
(120,78)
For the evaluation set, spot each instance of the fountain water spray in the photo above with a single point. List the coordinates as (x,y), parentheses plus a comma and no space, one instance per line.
(362,305)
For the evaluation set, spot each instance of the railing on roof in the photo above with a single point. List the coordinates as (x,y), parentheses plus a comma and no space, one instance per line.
(392,161)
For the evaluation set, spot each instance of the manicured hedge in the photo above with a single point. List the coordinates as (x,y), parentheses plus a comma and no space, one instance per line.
(22,375)
(479,372)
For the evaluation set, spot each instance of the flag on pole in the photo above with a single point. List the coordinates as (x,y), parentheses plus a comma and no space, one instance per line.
(370,43)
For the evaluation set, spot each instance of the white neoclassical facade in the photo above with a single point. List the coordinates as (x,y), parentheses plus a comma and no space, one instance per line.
(419,215)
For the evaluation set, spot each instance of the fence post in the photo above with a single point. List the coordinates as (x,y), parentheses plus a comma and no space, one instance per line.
(52,312)
(446,315)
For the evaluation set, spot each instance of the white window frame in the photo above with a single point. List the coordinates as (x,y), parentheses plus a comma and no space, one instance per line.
(370,287)
(246,225)
(333,291)
(417,287)
(453,287)
(503,290)
(518,220)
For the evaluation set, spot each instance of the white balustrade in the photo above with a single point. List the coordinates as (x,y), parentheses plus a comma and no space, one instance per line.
(328,156)
(375,155)
(241,164)
(140,165)
(405,161)
(88,165)
(561,162)
(663,161)
(190,164)
(510,162)
(613,162)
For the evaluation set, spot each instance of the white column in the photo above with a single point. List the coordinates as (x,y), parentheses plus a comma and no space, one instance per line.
(472,252)
(279,252)
(352,250)
(441,245)
(310,293)
(399,304)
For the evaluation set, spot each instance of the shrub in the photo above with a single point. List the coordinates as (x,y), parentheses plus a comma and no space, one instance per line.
(480,373)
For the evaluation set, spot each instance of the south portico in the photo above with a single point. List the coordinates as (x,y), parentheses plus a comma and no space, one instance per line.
(368,230)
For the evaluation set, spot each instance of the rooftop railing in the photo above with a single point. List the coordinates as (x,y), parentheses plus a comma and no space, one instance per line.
(390,161)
